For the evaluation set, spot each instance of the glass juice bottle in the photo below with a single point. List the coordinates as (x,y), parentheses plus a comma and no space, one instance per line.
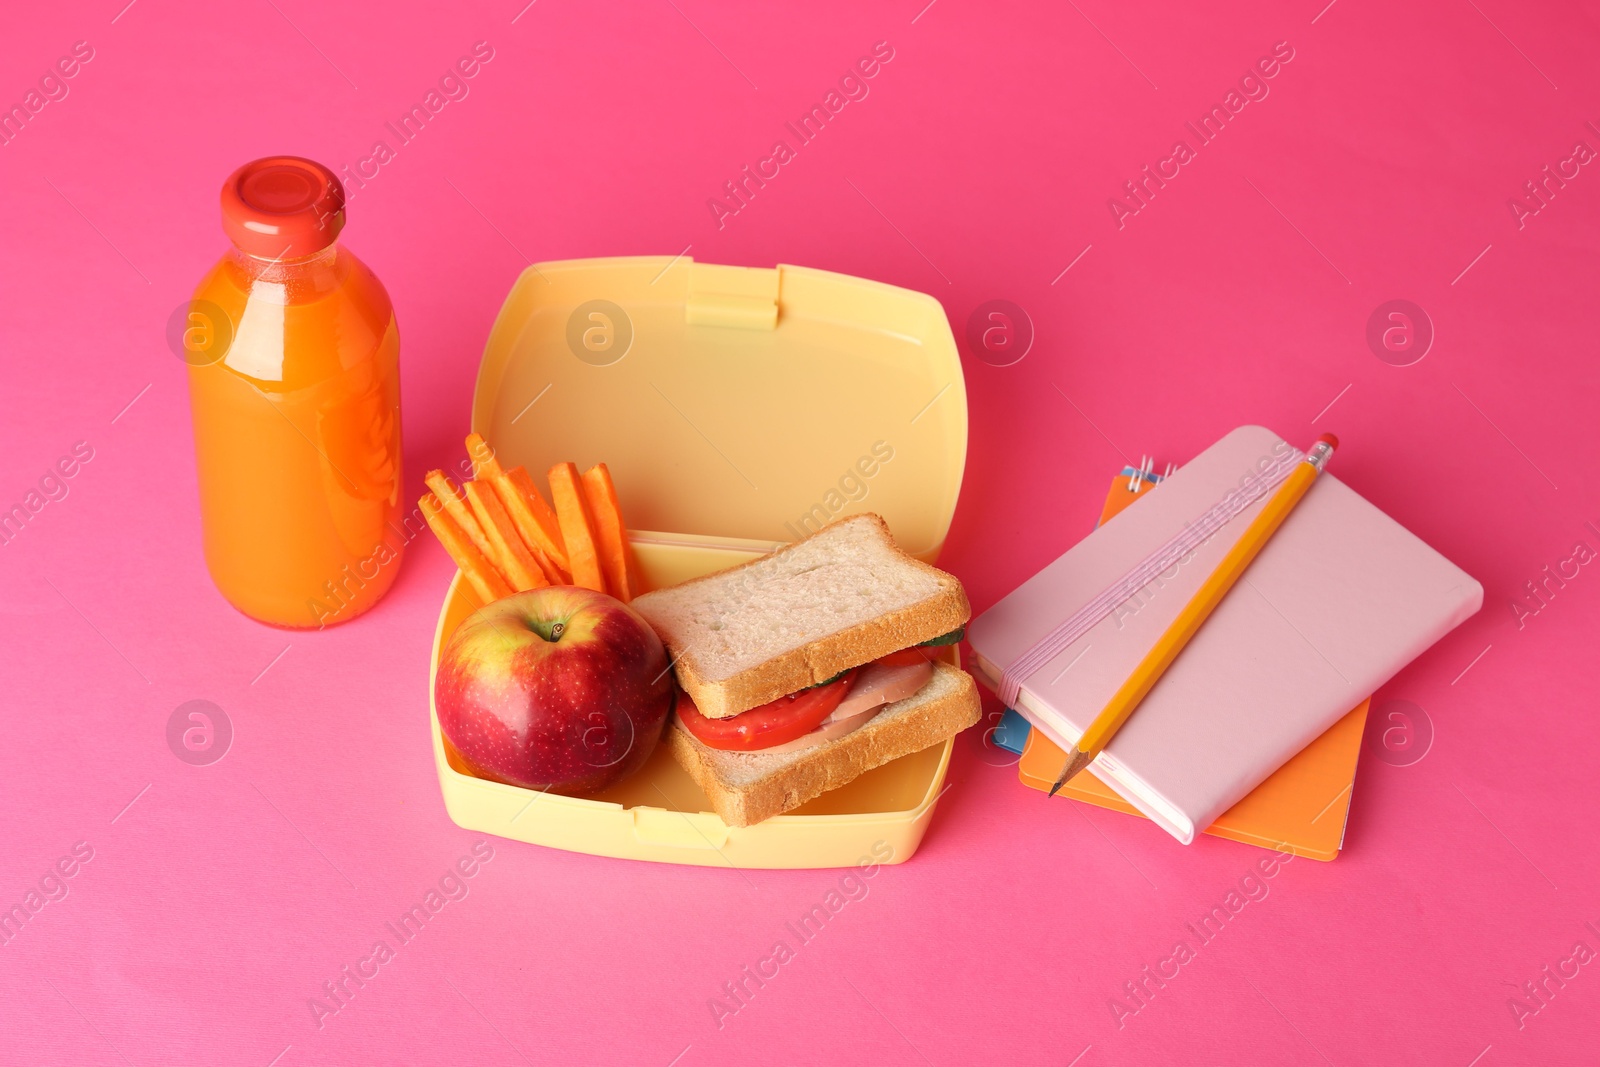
(294,389)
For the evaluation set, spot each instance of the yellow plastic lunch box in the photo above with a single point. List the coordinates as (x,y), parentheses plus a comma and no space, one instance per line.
(737,409)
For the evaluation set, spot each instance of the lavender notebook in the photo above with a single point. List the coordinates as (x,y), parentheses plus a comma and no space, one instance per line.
(1340,600)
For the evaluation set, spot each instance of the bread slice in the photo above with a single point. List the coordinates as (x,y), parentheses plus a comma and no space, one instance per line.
(747,787)
(842,597)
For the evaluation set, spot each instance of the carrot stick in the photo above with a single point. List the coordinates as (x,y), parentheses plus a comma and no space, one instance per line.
(535,520)
(484,463)
(553,574)
(532,518)
(616,553)
(577,527)
(510,554)
(483,578)
(446,494)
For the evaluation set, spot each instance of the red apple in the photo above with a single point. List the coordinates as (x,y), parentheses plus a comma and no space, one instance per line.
(560,689)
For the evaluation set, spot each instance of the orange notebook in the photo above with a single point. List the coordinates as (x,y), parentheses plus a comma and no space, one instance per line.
(1301,808)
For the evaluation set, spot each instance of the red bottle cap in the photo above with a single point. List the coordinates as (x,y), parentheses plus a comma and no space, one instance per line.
(282,207)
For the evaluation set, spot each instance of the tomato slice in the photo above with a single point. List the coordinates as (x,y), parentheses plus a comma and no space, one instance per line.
(906,657)
(775,723)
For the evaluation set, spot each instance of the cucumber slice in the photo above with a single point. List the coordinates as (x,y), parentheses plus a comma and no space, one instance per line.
(950,638)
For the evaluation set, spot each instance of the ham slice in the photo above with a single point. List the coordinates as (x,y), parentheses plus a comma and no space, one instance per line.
(875,686)
(878,684)
(831,730)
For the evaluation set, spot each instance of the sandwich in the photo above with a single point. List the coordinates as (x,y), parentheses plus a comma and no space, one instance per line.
(808,667)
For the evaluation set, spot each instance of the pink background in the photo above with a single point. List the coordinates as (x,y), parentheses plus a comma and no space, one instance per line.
(1379,167)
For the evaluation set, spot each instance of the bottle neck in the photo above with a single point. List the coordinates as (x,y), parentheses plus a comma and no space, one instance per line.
(262,269)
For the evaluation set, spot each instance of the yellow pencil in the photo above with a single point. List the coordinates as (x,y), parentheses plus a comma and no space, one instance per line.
(1189,620)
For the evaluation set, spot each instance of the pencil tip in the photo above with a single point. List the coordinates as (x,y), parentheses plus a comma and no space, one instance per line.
(1076,762)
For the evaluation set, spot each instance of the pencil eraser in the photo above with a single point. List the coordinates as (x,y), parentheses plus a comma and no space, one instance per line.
(1329,440)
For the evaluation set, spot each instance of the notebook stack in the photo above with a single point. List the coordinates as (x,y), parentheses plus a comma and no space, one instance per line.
(1253,733)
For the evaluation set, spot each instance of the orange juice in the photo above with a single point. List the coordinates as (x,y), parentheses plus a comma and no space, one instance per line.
(294,389)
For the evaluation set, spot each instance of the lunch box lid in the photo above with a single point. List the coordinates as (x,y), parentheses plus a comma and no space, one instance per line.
(756,403)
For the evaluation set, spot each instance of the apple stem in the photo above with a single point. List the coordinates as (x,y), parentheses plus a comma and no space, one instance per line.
(557,630)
